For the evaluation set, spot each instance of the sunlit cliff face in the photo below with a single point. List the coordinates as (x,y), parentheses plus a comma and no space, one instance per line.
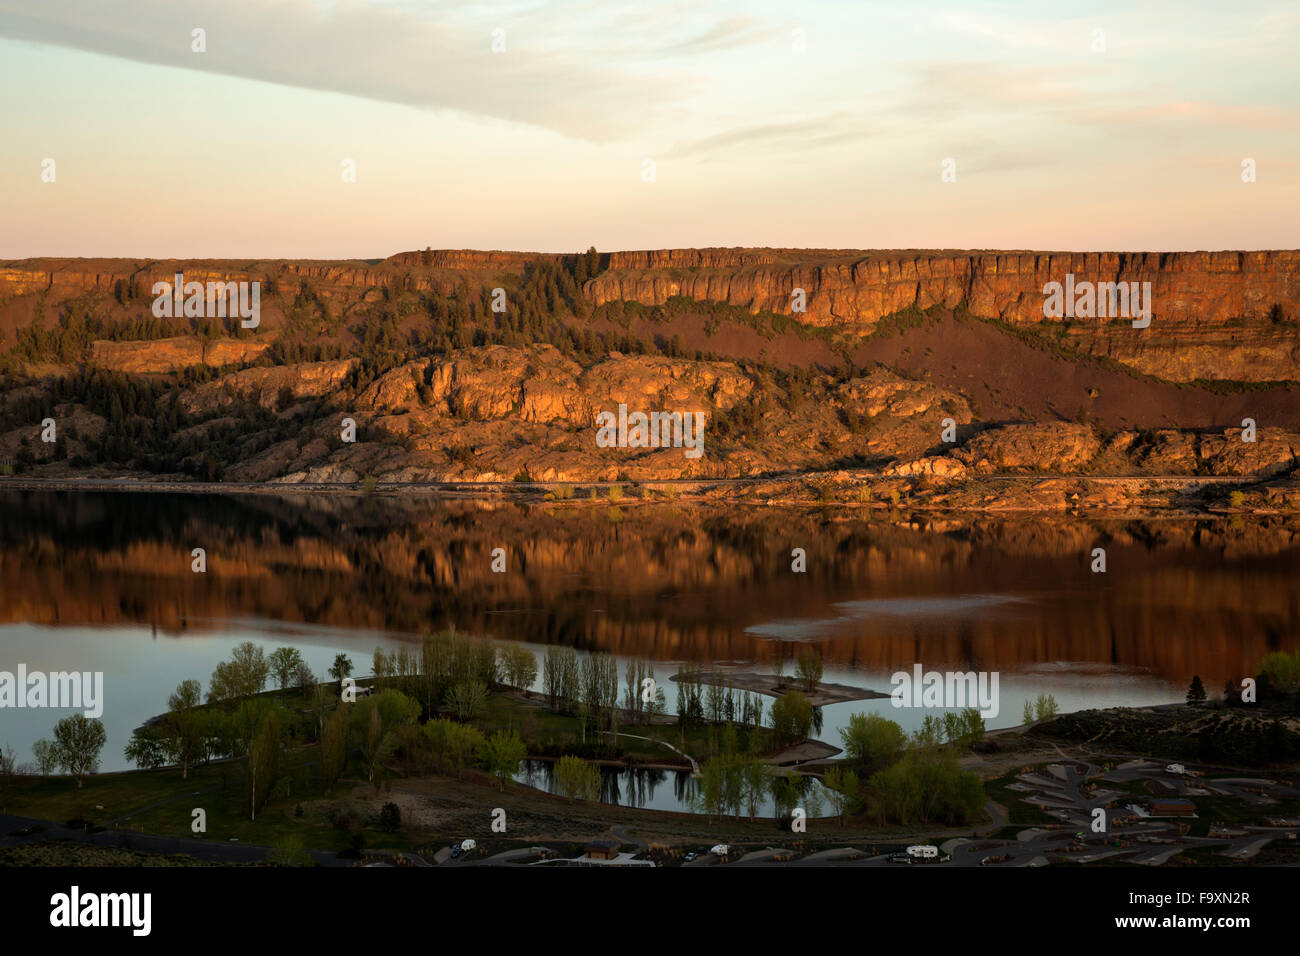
(669,581)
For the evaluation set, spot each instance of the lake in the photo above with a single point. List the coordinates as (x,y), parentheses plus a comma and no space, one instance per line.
(102,581)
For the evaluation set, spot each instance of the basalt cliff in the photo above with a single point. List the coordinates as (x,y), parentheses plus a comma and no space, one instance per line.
(823,373)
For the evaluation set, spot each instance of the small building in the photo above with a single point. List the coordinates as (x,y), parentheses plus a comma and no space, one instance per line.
(603,849)
(1173,808)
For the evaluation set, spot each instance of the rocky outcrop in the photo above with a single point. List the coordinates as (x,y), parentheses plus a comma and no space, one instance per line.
(1054,447)
(266,386)
(173,354)
(1215,315)
(1229,315)
(1073,449)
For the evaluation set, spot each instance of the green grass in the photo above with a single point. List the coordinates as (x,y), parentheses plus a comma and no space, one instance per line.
(546,732)
(223,800)
(1233,812)
(162,802)
(62,853)
(1018,811)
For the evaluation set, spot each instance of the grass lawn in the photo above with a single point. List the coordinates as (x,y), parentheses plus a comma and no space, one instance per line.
(548,733)
(1230,811)
(220,793)
(1018,811)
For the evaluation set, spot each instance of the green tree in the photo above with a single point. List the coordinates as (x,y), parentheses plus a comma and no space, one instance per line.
(927,786)
(1044,707)
(808,670)
(304,680)
(395,708)
(518,666)
(46,753)
(263,767)
(791,717)
(147,748)
(501,755)
(963,729)
(872,741)
(577,778)
(341,668)
(467,698)
(334,746)
(284,663)
(1282,670)
(929,735)
(972,727)
(842,786)
(189,693)
(757,781)
(243,724)
(723,785)
(1196,692)
(376,745)
(379,666)
(77,741)
(463,743)
(288,851)
(242,676)
(787,793)
(186,727)
(560,678)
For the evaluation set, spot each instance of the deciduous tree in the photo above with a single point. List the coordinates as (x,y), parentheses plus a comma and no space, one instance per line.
(577,778)
(501,755)
(284,663)
(78,740)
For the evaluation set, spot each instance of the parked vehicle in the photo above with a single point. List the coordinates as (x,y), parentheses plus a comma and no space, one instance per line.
(923,851)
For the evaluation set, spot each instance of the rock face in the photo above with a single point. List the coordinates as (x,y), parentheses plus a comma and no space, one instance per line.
(1059,446)
(497,412)
(831,389)
(1214,314)
(1071,448)
(864,287)
(1228,315)
(266,386)
(174,354)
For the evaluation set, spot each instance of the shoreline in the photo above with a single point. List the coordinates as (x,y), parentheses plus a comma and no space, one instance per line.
(1151,495)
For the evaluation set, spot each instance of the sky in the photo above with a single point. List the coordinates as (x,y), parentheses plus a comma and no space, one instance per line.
(656,124)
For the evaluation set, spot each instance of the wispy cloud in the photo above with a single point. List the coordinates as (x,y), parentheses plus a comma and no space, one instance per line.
(797,135)
(398,53)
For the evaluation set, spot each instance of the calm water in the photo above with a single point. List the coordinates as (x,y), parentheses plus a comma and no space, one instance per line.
(102,582)
(673,790)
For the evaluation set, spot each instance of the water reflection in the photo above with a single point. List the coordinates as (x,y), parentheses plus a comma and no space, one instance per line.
(102,581)
(669,582)
(645,787)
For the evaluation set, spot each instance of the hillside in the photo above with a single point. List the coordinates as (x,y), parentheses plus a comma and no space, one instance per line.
(442,387)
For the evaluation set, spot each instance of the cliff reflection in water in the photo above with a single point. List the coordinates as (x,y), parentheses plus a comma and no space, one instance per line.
(668,581)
